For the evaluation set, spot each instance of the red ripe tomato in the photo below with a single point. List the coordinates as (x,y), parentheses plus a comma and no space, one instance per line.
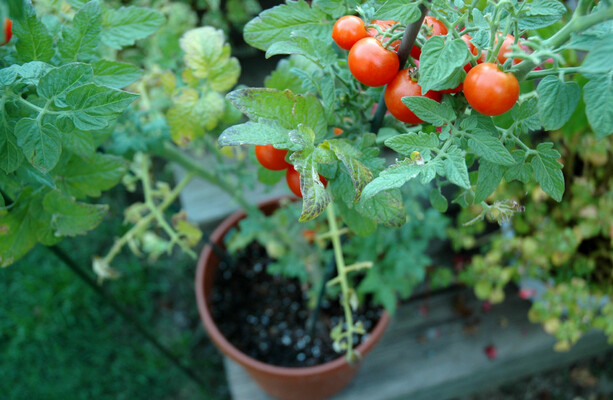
(456,90)
(437,28)
(8,30)
(403,85)
(489,90)
(293,180)
(471,47)
(384,25)
(271,158)
(371,64)
(348,30)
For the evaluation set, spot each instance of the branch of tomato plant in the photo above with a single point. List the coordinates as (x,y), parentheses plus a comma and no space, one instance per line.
(408,40)
(342,279)
(88,280)
(157,212)
(172,153)
(144,222)
(577,23)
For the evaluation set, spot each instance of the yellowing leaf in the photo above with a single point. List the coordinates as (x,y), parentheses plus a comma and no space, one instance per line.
(209,58)
(191,119)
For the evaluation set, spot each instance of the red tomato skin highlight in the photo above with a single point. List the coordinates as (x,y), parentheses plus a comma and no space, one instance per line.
(348,30)
(490,91)
(271,158)
(402,86)
(371,64)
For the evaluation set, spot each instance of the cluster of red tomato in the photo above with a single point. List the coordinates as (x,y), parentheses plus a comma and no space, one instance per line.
(487,89)
(8,30)
(274,159)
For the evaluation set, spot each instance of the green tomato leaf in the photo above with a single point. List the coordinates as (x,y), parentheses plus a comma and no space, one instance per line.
(557,100)
(18,230)
(262,132)
(548,171)
(385,207)
(79,142)
(587,39)
(490,175)
(407,143)
(490,148)
(80,41)
(12,155)
(287,108)
(123,26)
(398,10)
(356,222)
(82,177)
(521,170)
(115,74)
(393,177)
(438,201)
(429,110)
(349,156)
(41,144)
(541,13)
(35,43)
(283,77)
(314,49)
(439,60)
(59,81)
(94,107)
(278,23)
(71,218)
(455,167)
(28,73)
(336,8)
(598,97)
(315,198)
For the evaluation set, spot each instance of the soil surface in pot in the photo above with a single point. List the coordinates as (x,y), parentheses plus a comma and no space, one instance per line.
(266,316)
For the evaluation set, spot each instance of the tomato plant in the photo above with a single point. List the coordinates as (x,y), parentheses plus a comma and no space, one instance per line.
(371,64)
(383,26)
(348,30)
(435,28)
(404,85)
(271,158)
(489,90)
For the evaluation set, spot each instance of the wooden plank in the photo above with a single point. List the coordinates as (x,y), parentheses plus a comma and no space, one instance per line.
(440,354)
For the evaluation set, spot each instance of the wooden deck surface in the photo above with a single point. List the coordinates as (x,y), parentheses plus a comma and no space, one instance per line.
(434,349)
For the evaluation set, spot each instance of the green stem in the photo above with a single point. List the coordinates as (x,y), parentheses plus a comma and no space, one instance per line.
(172,153)
(552,71)
(146,220)
(80,272)
(342,278)
(157,212)
(577,23)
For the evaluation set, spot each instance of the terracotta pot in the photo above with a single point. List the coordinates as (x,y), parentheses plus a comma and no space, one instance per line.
(297,383)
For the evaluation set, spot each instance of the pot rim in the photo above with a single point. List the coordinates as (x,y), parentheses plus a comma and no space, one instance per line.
(242,358)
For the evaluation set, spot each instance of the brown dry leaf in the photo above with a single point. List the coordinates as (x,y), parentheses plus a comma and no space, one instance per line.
(583,377)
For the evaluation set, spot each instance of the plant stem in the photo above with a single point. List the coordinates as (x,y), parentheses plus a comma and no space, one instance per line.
(80,272)
(577,23)
(146,220)
(342,277)
(172,153)
(546,72)
(408,40)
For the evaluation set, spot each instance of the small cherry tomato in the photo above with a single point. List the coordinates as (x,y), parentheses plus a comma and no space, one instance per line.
(504,49)
(384,25)
(292,178)
(271,158)
(348,30)
(471,47)
(403,85)
(371,64)
(337,131)
(489,90)
(436,27)
(8,30)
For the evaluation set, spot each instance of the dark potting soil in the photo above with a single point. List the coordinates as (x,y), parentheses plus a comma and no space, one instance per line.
(266,316)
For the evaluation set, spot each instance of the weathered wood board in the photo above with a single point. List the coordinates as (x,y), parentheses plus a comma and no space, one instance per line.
(434,350)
